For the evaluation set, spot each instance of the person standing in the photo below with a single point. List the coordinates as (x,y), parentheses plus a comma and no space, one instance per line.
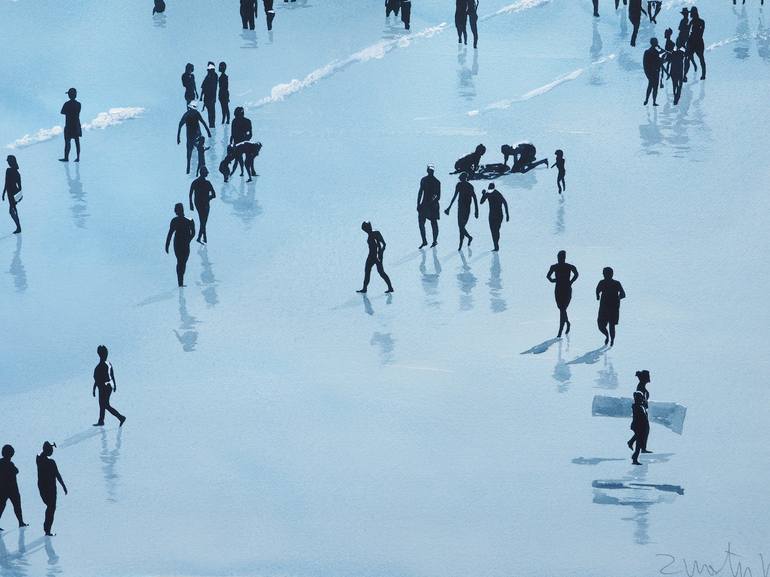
(11,188)
(183,231)
(651,63)
(635,12)
(473,19)
(104,382)
(465,194)
(241,132)
(461,21)
(641,387)
(695,45)
(684,29)
(9,487)
(201,195)
(209,93)
(72,128)
(377,245)
(561,185)
(248,13)
(188,82)
(496,204)
(609,293)
(676,71)
(224,93)
(47,476)
(428,205)
(406,12)
(563,275)
(192,121)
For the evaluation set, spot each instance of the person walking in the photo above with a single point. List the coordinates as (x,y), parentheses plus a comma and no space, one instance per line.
(609,293)
(496,204)
(201,194)
(47,476)
(428,205)
(72,128)
(11,189)
(461,21)
(104,382)
(192,121)
(209,93)
(406,13)
(640,425)
(563,275)
(183,231)
(695,45)
(473,19)
(652,64)
(635,12)
(465,195)
(377,245)
(9,487)
(248,13)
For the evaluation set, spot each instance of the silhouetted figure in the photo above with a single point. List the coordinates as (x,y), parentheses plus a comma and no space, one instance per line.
(376,252)
(240,131)
(9,488)
(524,157)
(640,425)
(188,81)
(224,93)
(465,194)
(653,9)
(563,275)
(496,204)
(201,195)
(47,476)
(682,39)
(473,19)
(695,45)
(461,21)
(393,6)
(635,12)
(676,70)
(651,63)
(209,93)
(668,51)
(248,13)
(201,148)
(12,189)
(269,12)
(470,162)
(428,205)
(183,231)
(192,121)
(561,172)
(104,382)
(159,8)
(596,8)
(72,128)
(406,12)
(609,293)
(641,441)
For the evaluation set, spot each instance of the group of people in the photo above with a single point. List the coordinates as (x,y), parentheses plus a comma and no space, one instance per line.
(673,60)
(467,11)
(213,88)
(524,157)
(404,7)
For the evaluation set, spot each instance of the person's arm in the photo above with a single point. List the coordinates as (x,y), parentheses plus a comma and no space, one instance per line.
(179,130)
(58,478)
(621,292)
(212,192)
(598,290)
(168,236)
(475,205)
(192,228)
(420,193)
(112,377)
(192,185)
(505,205)
(4,188)
(203,122)
(380,244)
(248,129)
(574,278)
(438,192)
(93,390)
(451,202)
(550,274)
(483,197)
(62,108)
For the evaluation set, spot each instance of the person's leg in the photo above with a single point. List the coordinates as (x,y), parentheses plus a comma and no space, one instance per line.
(649,90)
(495,229)
(102,405)
(367,273)
(596,8)
(14,212)
(203,216)
(617,4)
(602,324)
(67,147)
(434,230)
(631,442)
(244,19)
(190,146)
(635,456)
(50,511)
(475,30)
(700,54)
(3,499)
(421,224)
(384,276)
(562,320)
(645,437)
(77,149)
(635,32)
(654,82)
(532,165)
(612,334)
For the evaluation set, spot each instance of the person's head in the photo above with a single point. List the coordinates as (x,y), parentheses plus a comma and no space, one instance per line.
(192,105)
(366,226)
(48,449)
(694,12)
(188,68)
(643,376)
(464,176)
(608,272)
(179,209)
(12,162)
(481,149)
(491,186)
(210,67)
(653,42)
(8,452)
(431,169)
(102,351)
(684,12)
(72,93)
(238,112)
(506,149)
(668,33)
(559,153)
(561,256)
(222,66)
(204,171)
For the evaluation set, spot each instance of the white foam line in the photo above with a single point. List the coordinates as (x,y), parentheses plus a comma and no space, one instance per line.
(516,7)
(374,52)
(112,117)
(755,36)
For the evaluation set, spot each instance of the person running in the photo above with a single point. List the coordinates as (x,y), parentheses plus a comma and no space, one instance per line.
(406,13)
(183,231)
(635,12)
(209,93)
(641,387)
(376,252)
(192,120)
(640,425)
(188,82)
(609,293)
(12,188)
(496,204)
(104,382)
(473,19)
(695,45)
(561,172)
(47,476)
(428,205)
(9,487)
(201,195)
(470,163)
(653,9)
(461,20)
(652,64)
(465,194)
(241,131)
(563,275)
(224,93)
(72,128)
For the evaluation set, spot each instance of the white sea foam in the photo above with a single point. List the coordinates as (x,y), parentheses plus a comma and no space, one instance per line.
(519,6)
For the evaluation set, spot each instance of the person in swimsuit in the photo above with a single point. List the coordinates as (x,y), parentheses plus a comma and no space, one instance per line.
(465,194)
(562,171)
(428,205)
(496,204)
(224,93)
(563,275)
(376,252)
(47,476)
(201,195)
(104,382)
(188,82)
(9,487)
(183,231)
(241,131)
(609,293)
(695,45)
(72,127)
(11,188)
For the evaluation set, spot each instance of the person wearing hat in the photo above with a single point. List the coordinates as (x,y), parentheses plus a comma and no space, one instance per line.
(465,195)
(428,206)
(192,120)
(209,93)
(640,423)
(72,128)
(47,476)
(684,28)
(9,487)
(496,203)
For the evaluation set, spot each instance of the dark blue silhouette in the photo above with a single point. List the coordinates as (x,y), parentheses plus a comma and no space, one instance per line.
(563,275)
(561,172)
(473,19)
(377,245)
(72,128)
(159,7)
(9,487)
(12,189)
(201,195)
(465,195)
(183,231)
(209,93)
(461,20)
(428,205)
(47,476)
(192,121)
(609,293)
(496,204)
(104,382)
(652,64)
(224,93)
(188,82)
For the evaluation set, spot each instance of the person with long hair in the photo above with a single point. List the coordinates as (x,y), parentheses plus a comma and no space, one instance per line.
(188,82)
(12,188)
(183,231)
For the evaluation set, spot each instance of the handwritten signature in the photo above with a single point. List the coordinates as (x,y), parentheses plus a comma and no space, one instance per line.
(731,564)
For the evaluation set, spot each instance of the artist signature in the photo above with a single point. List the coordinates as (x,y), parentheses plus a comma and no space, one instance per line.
(730,564)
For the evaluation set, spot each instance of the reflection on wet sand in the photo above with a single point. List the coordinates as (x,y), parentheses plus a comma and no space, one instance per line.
(17,270)
(497,303)
(561,371)
(208,282)
(243,200)
(109,458)
(430,280)
(466,280)
(80,206)
(187,334)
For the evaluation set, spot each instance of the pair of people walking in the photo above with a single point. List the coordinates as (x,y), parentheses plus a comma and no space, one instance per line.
(466,11)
